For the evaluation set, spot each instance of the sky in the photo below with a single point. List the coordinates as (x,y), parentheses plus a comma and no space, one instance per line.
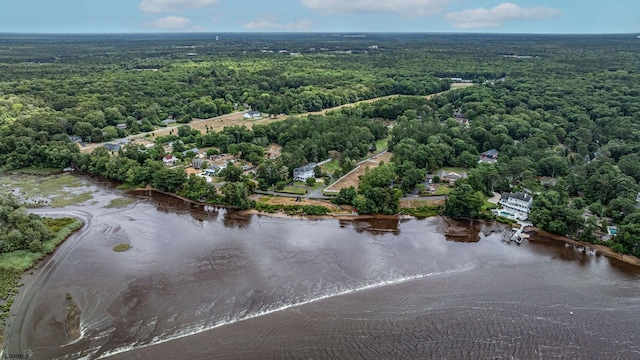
(483,16)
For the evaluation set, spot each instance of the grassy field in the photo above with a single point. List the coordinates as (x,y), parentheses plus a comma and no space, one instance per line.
(14,264)
(382,144)
(442,190)
(330,167)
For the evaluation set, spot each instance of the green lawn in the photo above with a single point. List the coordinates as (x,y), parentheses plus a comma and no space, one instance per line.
(293,190)
(316,186)
(442,190)
(456,170)
(488,206)
(382,144)
(330,167)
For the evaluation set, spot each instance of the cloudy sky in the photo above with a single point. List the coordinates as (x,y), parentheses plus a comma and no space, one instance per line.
(511,16)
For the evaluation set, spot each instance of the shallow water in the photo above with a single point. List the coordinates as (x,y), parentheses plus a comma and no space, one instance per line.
(222,285)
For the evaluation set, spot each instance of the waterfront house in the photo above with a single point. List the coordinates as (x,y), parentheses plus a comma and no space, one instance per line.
(304,172)
(518,202)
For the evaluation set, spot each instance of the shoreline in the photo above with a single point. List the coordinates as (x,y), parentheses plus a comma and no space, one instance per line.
(599,249)
(13,293)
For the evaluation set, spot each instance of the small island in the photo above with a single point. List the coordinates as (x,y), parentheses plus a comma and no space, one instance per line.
(121,247)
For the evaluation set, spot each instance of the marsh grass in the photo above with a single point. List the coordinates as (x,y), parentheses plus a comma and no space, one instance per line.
(60,189)
(71,199)
(121,247)
(35,171)
(424,211)
(119,203)
(14,264)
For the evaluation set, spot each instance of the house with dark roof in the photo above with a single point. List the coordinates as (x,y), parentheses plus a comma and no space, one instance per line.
(304,172)
(112,147)
(197,163)
(519,202)
(254,115)
(489,156)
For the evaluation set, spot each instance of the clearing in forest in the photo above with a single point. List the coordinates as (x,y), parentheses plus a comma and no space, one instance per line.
(353,178)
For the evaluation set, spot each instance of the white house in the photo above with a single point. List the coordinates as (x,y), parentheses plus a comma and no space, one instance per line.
(214,169)
(304,172)
(169,160)
(255,115)
(518,202)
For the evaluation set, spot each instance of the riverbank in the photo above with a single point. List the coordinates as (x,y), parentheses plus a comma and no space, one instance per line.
(15,264)
(453,231)
(599,249)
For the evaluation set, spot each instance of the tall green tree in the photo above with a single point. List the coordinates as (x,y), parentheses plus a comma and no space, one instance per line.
(464,201)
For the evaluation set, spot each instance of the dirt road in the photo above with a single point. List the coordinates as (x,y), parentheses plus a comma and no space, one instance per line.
(237,118)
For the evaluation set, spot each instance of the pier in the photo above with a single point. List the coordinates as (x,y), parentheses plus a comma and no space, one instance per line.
(515,236)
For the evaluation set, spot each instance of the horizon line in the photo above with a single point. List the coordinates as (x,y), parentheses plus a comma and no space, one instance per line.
(310,33)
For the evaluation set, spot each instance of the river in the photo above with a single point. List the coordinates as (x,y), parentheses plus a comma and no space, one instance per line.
(222,285)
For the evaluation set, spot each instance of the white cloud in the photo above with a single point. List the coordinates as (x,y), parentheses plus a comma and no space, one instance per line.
(160,6)
(269,22)
(169,23)
(410,8)
(496,17)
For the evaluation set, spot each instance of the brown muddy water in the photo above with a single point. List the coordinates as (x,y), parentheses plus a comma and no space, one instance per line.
(219,285)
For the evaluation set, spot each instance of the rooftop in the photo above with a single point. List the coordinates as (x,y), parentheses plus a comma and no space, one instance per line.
(518,195)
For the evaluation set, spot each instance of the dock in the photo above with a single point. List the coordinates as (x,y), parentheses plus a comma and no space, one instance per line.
(515,236)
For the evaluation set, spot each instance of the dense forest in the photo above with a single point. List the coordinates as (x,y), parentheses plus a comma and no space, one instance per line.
(562,111)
